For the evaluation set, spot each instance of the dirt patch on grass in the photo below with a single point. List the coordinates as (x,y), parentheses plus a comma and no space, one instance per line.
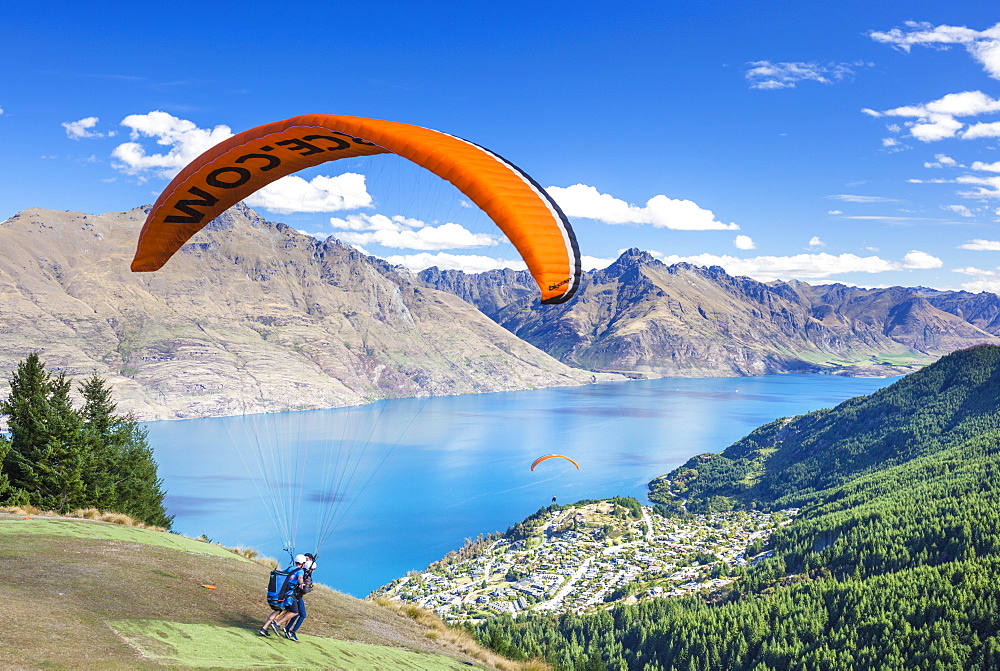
(92,595)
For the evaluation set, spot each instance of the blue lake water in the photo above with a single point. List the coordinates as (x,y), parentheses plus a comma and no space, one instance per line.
(410,479)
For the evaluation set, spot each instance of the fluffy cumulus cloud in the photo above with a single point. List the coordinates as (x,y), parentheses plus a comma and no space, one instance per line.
(744,242)
(77,130)
(944,118)
(982,130)
(770,75)
(982,45)
(469,263)
(320,194)
(587,202)
(182,141)
(916,260)
(814,241)
(939,119)
(808,266)
(594,262)
(182,138)
(402,233)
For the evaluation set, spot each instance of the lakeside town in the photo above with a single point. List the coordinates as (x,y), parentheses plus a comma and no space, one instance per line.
(588,555)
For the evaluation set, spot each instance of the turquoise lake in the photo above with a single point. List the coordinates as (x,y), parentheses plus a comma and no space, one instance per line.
(410,479)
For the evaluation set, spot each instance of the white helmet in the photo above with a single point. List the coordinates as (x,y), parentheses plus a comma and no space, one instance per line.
(301,559)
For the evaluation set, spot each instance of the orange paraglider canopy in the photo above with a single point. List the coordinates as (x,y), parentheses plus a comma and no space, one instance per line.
(235,168)
(552,456)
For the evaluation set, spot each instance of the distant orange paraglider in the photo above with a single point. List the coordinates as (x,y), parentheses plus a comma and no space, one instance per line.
(552,456)
(209,586)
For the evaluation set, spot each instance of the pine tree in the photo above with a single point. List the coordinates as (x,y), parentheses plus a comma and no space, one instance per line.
(124,472)
(60,458)
(45,458)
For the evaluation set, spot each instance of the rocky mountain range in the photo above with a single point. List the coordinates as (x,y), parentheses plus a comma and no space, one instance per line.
(251,316)
(642,317)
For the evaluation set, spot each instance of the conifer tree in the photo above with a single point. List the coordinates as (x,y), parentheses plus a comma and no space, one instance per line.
(61,458)
(124,471)
(45,459)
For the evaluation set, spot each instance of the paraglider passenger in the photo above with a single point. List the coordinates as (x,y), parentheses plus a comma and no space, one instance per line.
(285,606)
(303,588)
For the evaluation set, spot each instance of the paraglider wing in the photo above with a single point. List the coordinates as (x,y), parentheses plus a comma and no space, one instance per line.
(552,456)
(235,168)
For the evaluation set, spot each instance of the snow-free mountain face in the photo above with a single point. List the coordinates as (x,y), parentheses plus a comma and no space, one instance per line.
(250,316)
(640,316)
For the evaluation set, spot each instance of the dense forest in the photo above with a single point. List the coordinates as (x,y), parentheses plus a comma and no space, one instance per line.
(892,563)
(63,458)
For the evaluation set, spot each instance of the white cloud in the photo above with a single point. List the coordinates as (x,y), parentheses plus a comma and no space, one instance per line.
(660,211)
(988,167)
(982,45)
(835,212)
(986,187)
(814,241)
(849,198)
(978,286)
(936,120)
(76,130)
(467,263)
(890,218)
(890,142)
(320,194)
(981,130)
(375,222)
(975,272)
(744,242)
(401,233)
(916,260)
(941,161)
(981,245)
(769,75)
(185,141)
(960,210)
(594,262)
(808,266)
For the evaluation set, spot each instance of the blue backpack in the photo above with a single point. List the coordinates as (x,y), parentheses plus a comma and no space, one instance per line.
(281,587)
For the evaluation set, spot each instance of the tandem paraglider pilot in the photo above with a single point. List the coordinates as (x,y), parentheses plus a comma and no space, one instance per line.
(284,596)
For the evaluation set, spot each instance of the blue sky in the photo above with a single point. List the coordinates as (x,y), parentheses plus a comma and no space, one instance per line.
(825,141)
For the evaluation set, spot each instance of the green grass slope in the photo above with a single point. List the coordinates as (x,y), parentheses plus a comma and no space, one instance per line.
(91,595)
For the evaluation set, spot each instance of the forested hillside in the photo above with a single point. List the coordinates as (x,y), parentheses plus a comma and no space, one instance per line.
(893,562)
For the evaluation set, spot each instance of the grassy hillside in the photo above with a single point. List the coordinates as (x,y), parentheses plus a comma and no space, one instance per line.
(892,563)
(92,595)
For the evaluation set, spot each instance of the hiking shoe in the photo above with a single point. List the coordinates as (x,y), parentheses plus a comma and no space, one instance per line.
(263,632)
(277,629)
(290,635)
